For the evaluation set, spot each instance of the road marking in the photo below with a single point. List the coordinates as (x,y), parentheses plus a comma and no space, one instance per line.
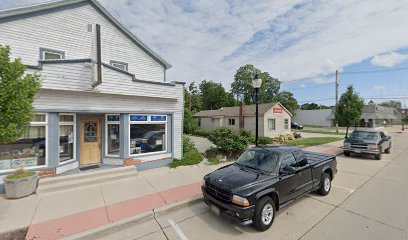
(177,229)
(344,188)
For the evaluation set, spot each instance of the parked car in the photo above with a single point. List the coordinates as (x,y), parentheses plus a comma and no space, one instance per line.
(296,126)
(368,141)
(264,180)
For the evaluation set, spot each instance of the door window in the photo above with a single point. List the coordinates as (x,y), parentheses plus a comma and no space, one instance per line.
(90,132)
(288,160)
(300,158)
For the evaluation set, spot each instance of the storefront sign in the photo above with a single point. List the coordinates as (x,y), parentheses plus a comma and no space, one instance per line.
(5,164)
(24,162)
(138,118)
(158,118)
(278,111)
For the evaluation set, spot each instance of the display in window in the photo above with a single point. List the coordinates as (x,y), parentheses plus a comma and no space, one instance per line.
(146,138)
(158,118)
(26,152)
(113,139)
(66,147)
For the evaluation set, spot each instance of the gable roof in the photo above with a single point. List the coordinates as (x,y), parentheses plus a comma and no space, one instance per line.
(249,110)
(95,3)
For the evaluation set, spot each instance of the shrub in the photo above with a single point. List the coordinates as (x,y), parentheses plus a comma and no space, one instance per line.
(190,124)
(229,140)
(20,173)
(247,134)
(265,140)
(191,155)
(201,133)
(215,160)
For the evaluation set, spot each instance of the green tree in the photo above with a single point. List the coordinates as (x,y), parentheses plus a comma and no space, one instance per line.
(349,109)
(392,104)
(190,124)
(214,96)
(192,98)
(287,100)
(243,89)
(16,97)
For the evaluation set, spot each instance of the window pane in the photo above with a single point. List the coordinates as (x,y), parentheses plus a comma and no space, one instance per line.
(39,118)
(52,56)
(145,138)
(113,139)
(66,146)
(138,118)
(113,118)
(26,152)
(91,132)
(66,118)
(158,118)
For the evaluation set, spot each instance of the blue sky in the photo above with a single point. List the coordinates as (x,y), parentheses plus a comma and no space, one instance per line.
(291,39)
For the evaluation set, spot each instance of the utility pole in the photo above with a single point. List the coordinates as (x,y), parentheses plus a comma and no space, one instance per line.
(337,97)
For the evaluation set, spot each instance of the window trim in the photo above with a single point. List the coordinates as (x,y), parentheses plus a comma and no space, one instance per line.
(44,50)
(37,124)
(75,137)
(111,62)
(106,134)
(152,123)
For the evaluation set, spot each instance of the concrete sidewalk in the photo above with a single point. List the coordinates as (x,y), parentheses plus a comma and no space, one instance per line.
(69,212)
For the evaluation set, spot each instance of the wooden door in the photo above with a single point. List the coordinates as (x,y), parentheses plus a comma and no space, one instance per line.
(91,142)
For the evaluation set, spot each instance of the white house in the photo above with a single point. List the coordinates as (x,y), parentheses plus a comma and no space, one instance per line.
(105,98)
(274,119)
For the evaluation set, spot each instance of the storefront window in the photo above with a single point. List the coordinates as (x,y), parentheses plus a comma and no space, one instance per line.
(113,135)
(149,135)
(67,137)
(30,150)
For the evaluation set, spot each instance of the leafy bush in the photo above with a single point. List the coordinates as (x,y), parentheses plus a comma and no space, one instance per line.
(265,140)
(190,124)
(201,133)
(20,173)
(215,160)
(284,138)
(191,155)
(296,135)
(229,140)
(247,134)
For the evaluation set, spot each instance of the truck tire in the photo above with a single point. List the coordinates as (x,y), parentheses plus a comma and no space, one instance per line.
(325,184)
(388,150)
(378,156)
(264,214)
(347,153)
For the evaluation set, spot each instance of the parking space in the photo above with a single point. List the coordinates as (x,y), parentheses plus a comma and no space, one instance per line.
(367,201)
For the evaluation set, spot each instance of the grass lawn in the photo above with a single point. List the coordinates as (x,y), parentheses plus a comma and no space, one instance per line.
(322,132)
(308,142)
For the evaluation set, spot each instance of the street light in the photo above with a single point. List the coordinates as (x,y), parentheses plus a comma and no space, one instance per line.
(256,83)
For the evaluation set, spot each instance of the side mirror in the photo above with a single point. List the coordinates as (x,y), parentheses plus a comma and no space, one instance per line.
(288,170)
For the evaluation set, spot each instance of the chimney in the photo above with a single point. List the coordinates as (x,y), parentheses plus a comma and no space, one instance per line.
(241,116)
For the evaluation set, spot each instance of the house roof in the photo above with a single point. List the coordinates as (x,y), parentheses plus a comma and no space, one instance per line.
(249,110)
(56,4)
(381,112)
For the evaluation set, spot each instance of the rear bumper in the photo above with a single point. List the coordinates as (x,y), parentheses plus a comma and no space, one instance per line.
(363,151)
(242,215)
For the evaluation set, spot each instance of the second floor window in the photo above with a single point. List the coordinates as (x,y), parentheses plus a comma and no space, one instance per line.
(49,54)
(120,65)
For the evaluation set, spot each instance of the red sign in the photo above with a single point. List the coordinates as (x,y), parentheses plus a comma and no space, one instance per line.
(278,111)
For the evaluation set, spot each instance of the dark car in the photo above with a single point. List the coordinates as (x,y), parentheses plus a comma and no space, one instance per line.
(368,141)
(264,180)
(294,125)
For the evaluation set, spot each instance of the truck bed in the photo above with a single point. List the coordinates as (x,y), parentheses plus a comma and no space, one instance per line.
(316,158)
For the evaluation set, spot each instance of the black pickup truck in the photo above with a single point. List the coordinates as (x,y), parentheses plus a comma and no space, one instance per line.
(264,180)
(367,141)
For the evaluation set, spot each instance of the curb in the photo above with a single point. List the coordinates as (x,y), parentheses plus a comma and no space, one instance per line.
(15,234)
(99,232)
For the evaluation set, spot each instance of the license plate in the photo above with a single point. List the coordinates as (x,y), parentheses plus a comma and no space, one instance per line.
(357,150)
(215,210)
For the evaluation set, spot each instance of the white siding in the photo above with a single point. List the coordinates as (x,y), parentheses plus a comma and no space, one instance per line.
(66,29)
(53,100)
(318,117)
(77,77)
(279,123)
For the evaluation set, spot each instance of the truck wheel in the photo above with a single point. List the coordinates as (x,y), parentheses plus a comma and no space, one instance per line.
(388,150)
(378,156)
(264,214)
(325,184)
(347,153)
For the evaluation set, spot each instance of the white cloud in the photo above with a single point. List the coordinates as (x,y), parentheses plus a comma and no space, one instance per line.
(302,85)
(389,59)
(291,39)
(323,80)
(378,87)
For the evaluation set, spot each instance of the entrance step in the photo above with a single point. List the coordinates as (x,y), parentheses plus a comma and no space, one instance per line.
(59,183)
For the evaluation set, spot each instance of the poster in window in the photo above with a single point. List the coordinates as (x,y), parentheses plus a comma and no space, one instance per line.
(158,118)
(138,118)
(23,162)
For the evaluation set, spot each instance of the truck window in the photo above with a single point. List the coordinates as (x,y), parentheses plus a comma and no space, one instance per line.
(300,158)
(288,160)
